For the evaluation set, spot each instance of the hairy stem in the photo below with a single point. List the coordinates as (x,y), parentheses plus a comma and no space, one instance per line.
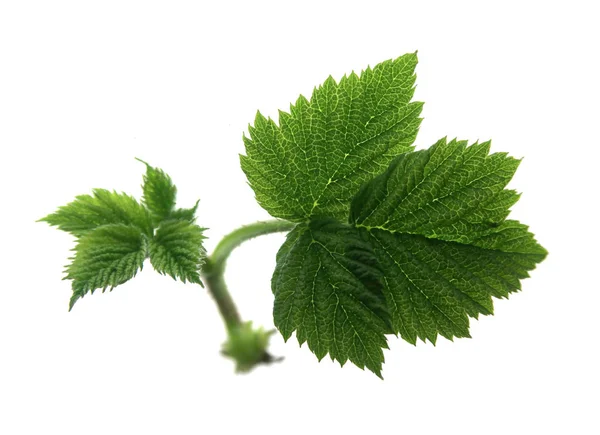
(214,267)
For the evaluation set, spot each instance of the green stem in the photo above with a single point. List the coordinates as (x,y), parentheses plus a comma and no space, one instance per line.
(214,267)
(215,283)
(239,236)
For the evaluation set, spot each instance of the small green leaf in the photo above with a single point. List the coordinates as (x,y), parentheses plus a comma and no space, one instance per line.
(186,214)
(316,159)
(176,250)
(436,223)
(159,193)
(328,290)
(103,207)
(106,257)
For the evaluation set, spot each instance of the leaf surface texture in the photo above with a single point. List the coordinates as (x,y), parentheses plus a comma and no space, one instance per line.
(327,288)
(315,160)
(106,257)
(103,207)
(176,250)
(436,220)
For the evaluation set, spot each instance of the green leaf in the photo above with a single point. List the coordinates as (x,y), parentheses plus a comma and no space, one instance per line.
(176,250)
(436,222)
(327,288)
(431,286)
(316,159)
(159,193)
(186,214)
(104,207)
(106,257)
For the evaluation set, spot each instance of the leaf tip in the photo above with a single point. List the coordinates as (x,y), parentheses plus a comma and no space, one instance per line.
(141,161)
(259,118)
(72,301)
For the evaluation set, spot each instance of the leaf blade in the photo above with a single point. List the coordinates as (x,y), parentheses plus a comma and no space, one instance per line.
(433,286)
(103,207)
(187,214)
(449,192)
(314,161)
(327,290)
(437,222)
(177,250)
(159,193)
(106,257)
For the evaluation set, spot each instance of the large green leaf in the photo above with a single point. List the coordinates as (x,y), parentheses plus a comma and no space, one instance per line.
(316,159)
(436,222)
(328,290)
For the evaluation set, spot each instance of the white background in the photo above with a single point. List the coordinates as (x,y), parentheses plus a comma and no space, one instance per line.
(87,86)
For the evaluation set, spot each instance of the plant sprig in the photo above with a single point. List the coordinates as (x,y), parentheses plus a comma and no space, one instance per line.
(382,239)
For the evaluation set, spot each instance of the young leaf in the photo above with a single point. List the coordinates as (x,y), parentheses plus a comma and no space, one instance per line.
(103,207)
(327,288)
(159,193)
(186,214)
(106,257)
(316,159)
(436,222)
(176,250)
